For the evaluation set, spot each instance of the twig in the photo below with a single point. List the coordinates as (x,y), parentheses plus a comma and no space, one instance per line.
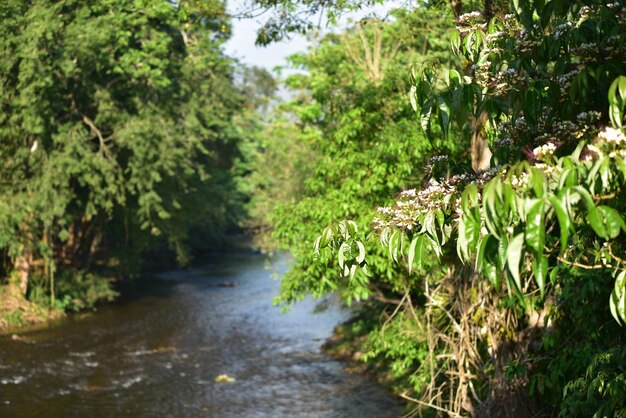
(103,148)
(429,405)
(621,260)
(583,266)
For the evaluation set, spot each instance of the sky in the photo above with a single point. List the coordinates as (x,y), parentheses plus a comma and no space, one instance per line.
(241,45)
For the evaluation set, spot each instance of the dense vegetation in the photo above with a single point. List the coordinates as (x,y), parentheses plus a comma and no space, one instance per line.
(498,272)
(457,169)
(119,138)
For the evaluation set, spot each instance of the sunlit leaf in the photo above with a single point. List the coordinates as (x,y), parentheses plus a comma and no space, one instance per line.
(540,268)
(514,257)
(535,227)
(613,221)
(564,220)
(361,257)
(416,252)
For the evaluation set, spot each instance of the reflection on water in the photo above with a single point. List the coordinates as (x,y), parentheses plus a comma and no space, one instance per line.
(157,352)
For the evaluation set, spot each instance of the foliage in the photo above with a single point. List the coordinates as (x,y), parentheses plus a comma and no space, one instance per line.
(356,118)
(289,17)
(602,390)
(74,290)
(116,131)
(281,160)
(497,251)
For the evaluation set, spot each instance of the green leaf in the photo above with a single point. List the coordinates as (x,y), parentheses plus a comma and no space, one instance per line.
(595,220)
(469,198)
(366,271)
(468,229)
(564,220)
(532,105)
(425,117)
(540,268)
(535,227)
(361,257)
(343,249)
(416,252)
(537,181)
(394,245)
(503,244)
(617,101)
(441,221)
(480,254)
(617,301)
(456,41)
(489,207)
(353,271)
(593,216)
(514,257)
(461,242)
(490,270)
(444,115)
(613,222)
(316,245)
(413,97)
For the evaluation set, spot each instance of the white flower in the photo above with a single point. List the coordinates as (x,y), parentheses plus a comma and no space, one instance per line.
(519,181)
(468,16)
(544,150)
(612,135)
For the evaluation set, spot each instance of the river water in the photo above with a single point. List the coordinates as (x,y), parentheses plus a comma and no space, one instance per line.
(158,350)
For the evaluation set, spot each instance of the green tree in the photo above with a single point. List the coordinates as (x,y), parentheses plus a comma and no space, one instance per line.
(115,129)
(520,266)
(353,111)
(532,248)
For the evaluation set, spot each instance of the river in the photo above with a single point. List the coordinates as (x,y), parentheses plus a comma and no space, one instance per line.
(158,350)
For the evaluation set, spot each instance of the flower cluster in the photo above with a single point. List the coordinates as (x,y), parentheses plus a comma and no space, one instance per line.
(612,136)
(562,29)
(470,21)
(520,181)
(434,160)
(503,82)
(543,151)
(610,141)
(413,204)
(565,81)
(588,119)
(561,131)
(527,42)
(584,13)
(553,131)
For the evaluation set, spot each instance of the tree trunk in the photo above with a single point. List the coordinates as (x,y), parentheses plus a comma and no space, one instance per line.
(457,7)
(481,154)
(22,266)
(488,10)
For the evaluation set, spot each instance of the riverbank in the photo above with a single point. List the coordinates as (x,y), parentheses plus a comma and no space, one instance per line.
(77,291)
(19,314)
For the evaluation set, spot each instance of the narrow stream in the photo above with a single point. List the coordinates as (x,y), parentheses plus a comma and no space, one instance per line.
(157,352)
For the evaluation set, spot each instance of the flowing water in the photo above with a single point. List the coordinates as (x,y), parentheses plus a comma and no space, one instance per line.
(158,350)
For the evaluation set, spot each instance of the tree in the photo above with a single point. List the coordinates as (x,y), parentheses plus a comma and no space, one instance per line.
(115,129)
(512,273)
(358,121)
(522,245)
